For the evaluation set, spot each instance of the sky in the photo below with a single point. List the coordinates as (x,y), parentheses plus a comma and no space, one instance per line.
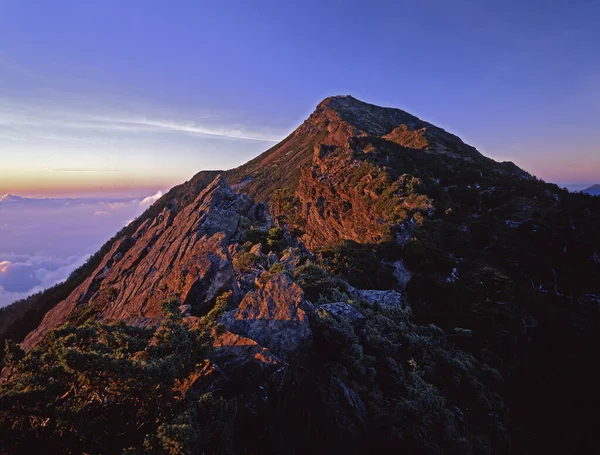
(106,104)
(123,97)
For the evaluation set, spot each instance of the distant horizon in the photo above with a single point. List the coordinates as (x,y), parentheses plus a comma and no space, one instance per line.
(143,191)
(132,192)
(120,95)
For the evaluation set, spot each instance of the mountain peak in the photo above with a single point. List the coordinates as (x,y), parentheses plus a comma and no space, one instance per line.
(370,118)
(340,121)
(594,190)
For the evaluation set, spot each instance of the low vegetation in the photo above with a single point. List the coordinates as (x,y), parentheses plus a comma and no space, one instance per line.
(112,388)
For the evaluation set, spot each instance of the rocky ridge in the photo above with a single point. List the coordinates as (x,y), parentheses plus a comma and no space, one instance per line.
(361,210)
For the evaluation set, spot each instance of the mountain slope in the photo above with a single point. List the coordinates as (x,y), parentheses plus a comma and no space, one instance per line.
(333,122)
(182,255)
(594,190)
(400,290)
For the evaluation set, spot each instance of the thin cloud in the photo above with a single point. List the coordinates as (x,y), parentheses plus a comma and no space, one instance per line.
(200,130)
(23,122)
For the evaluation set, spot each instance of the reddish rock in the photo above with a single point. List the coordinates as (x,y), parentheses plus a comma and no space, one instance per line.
(183,255)
(272,316)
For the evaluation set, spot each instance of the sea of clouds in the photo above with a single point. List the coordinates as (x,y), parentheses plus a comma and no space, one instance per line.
(42,240)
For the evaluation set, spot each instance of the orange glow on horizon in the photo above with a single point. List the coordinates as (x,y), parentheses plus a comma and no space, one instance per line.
(78,183)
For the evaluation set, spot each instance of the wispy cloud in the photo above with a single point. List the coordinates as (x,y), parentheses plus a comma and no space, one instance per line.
(196,129)
(19,122)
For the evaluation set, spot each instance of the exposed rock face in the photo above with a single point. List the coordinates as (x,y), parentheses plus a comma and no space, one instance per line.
(272,316)
(334,121)
(402,274)
(323,164)
(332,209)
(183,255)
(343,310)
(386,298)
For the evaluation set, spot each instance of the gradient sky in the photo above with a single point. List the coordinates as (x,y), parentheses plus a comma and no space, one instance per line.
(137,95)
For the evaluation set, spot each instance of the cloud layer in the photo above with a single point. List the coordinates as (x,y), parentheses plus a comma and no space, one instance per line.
(42,240)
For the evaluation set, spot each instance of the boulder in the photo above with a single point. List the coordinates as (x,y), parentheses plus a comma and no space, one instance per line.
(290,259)
(401,274)
(272,317)
(256,249)
(384,298)
(344,311)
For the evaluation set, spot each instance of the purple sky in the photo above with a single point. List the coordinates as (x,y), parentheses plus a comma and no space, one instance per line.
(122,95)
(120,99)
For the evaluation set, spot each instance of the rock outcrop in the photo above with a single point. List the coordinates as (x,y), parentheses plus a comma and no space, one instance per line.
(380,297)
(175,255)
(273,317)
(335,120)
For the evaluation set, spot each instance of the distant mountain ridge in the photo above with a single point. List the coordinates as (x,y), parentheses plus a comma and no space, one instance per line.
(594,190)
(16,199)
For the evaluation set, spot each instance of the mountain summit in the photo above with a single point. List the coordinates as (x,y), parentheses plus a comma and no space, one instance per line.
(594,190)
(369,284)
(335,120)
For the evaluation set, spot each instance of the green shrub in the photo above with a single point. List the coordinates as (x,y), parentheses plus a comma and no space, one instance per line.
(245,262)
(111,388)
(319,285)
(275,238)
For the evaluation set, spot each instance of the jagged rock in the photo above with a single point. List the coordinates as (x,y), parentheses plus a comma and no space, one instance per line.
(289,259)
(247,367)
(185,309)
(206,378)
(237,354)
(256,249)
(386,298)
(401,274)
(183,255)
(272,258)
(343,310)
(272,317)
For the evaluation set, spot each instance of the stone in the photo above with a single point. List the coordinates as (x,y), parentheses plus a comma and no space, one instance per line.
(272,258)
(256,250)
(401,274)
(183,255)
(343,310)
(385,298)
(185,309)
(289,259)
(272,317)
